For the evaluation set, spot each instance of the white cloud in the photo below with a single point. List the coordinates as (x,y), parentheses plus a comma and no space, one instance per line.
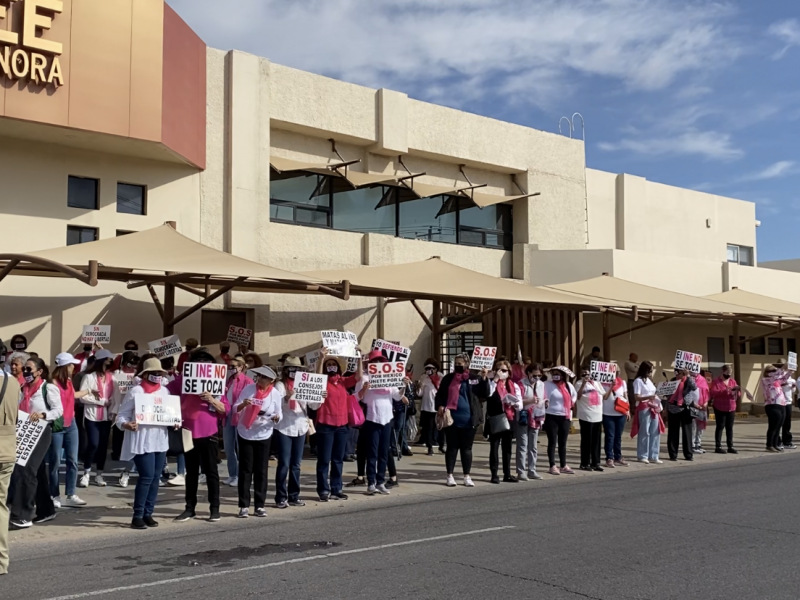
(708,144)
(781,168)
(788,32)
(517,50)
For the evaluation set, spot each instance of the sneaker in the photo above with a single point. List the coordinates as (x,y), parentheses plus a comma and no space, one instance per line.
(243,513)
(234,482)
(177,481)
(790,447)
(451,481)
(567,470)
(733,451)
(57,501)
(534,475)
(99,481)
(598,468)
(226,481)
(468,481)
(382,489)
(522,477)
(296,503)
(610,464)
(282,504)
(621,463)
(261,512)
(161,483)
(185,516)
(214,516)
(771,449)
(40,520)
(392,483)
(510,479)
(324,498)
(202,479)
(357,482)
(138,523)
(150,521)
(339,496)
(658,462)
(123,479)
(720,451)
(84,480)
(554,471)
(699,450)
(73,501)
(644,461)
(19,524)
(371,490)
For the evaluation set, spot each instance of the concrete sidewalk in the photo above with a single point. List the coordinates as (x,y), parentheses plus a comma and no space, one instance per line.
(108,511)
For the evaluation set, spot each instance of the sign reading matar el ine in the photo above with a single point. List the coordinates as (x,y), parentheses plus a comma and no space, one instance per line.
(26,55)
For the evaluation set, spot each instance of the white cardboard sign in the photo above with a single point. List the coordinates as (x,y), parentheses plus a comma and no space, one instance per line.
(157,410)
(603,372)
(28,435)
(312,358)
(123,382)
(164,347)
(688,361)
(667,388)
(792,361)
(393,352)
(308,387)
(240,335)
(386,375)
(96,334)
(340,343)
(204,377)
(482,358)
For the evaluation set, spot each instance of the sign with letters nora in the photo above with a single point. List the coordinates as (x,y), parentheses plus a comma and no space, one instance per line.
(28,435)
(240,335)
(96,334)
(308,387)
(602,372)
(157,410)
(24,55)
(386,374)
(688,361)
(165,347)
(340,343)
(204,377)
(391,350)
(482,358)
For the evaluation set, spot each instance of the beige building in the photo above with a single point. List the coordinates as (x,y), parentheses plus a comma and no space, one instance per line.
(208,147)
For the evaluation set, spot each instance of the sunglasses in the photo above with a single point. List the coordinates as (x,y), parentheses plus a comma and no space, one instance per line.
(502,370)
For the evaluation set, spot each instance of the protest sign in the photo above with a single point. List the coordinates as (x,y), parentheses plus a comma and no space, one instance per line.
(340,343)
(96,334)
(791,363)
(688,361)
(157,410)
(391,351)
(386,375)
(667,388)
(312,358)
(602,372)
(482,358)
(123,382)
(308,387)
(240,335)
(204,377)
(28,435)
(164,347)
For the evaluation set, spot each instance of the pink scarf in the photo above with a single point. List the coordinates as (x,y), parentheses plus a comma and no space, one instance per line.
(562,387)
(251,412)
(105,389)
(28,390)
(149,387)
(289,383)
(503,391)
(67,401)
(435,380)
(455,388)
(677,397)
(654,413)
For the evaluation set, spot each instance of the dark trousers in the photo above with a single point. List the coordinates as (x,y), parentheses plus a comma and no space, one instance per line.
(29,489)
(399,442)
(253,469)
(776,414)
(590,443)
(786,431)
(378,445)
(724,420)
(496,441)
(117,435)
(427,425)
(331,446)
(290,455)
(362,450)
(614,426)
(96,444)
(149,467)
(557,429)
(679,427)
(459,439)
(203,456)
(352,441)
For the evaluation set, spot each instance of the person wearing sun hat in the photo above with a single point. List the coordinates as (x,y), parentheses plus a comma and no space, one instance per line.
(560,396)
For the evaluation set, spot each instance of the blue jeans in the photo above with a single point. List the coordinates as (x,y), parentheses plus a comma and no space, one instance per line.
(149,466)
(290,455)
(331,444)
(68,440)
(231,449)
(378,441)
(614,426)
(649,437)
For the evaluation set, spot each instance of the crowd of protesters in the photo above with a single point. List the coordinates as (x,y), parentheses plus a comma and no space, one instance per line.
(88,401)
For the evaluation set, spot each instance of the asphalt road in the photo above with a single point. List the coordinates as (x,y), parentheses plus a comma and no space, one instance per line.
(729,531)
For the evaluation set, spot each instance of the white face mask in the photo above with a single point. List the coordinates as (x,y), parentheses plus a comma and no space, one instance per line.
(154,378)
(556,377)
(502,375)
(332,369)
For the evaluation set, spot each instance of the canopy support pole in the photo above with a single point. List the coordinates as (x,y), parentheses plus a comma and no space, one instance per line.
(436,334)
(422,314)
(169,309)
(204,302)
(606,337)
(737,361)
(381,318)
(642,326)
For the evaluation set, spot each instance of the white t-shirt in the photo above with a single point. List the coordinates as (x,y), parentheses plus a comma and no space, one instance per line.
(608,403)
(788,388)
(533,394)
(556,400)
(378,401)
(593,413)
(645,387)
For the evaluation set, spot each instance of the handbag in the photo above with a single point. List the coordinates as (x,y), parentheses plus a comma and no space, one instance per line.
(311,429)
(444,420)
(694,412)
(523,416)
(58,424)
(621,406)
(355,416)
(498,424)
(180,441)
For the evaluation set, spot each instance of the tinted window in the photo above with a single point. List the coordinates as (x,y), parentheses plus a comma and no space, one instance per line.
(355,211)
(130,199)
(80,235)
(82,193)
(418,221)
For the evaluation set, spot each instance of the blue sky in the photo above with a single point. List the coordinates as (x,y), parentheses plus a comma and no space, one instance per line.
(698,94)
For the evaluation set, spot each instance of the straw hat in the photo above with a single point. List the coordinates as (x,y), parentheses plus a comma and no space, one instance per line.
(151,365)
(563,369)
(292,361)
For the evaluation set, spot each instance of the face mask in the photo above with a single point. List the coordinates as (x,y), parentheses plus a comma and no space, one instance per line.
(726,375)
(429,371)
(556,377)
(154,378)
(458,369)
(20,345)
(332,369)
(503,375)
(87,348)
(290,373)
(29,377)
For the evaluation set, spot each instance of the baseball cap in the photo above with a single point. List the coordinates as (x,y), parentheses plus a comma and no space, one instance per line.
(65,358)
(103,354)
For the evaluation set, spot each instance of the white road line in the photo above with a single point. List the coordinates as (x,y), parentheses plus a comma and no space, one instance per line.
(277,564)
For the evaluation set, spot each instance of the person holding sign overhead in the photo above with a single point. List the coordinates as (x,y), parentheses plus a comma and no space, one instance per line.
(145,445)
(259,408)
(99,382)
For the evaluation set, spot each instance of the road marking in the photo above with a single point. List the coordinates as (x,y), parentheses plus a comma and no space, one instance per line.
(278,564)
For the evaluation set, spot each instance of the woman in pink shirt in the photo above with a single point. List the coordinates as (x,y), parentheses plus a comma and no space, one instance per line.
(774,404)
(724,394)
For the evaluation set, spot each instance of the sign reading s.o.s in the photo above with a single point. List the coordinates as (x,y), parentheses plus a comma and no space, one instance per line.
(24,55)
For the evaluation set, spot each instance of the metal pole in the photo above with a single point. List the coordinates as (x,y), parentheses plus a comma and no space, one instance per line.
(606,337)
(436,342)
(169,308)
(737,362)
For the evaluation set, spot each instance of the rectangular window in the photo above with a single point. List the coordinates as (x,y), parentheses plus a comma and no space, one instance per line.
(82,192)
(489,227)
(214,325)
(791,345)
(303,200)
(80,235)
(775,346)
(742,255)
(356,211)
(742,346)
(131,199)
(418,221)
(758,347)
